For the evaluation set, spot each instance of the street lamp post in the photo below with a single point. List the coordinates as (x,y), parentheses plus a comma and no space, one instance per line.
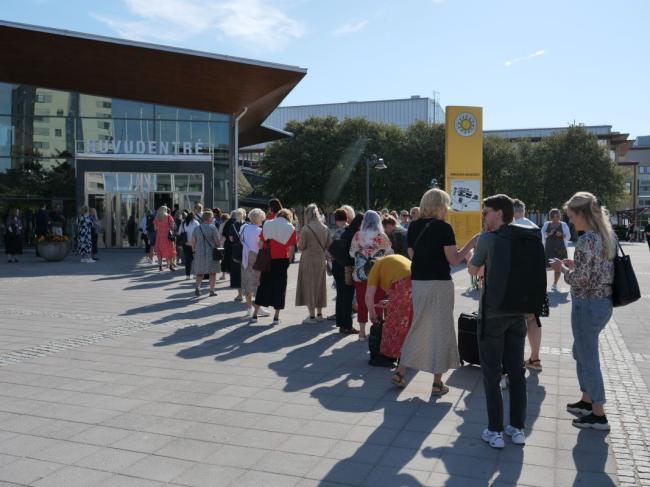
(376,163)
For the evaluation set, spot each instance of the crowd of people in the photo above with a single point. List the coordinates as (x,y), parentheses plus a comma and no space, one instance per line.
(395,269)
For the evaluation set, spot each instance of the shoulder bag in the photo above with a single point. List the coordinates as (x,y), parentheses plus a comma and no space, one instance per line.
(327,263)
(217,253)
(263,261)
(625,288)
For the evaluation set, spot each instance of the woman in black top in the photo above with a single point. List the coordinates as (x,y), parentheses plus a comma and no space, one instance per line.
(431,342)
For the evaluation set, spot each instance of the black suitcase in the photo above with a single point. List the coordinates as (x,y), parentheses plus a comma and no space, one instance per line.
(378,359)
(468,338)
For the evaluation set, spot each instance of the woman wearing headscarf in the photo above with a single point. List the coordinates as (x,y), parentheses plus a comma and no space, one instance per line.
(368,244)
(280,235)
(311,289)
(165,247)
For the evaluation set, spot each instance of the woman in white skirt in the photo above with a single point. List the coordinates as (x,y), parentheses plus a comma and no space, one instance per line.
(431,342)
(250,239)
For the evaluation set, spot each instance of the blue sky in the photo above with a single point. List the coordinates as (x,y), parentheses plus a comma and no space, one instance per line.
(541,63)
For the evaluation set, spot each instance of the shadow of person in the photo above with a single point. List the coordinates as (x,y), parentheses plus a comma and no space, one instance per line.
(557,298)
(398,460)
(233,346)
(590,459)
(193,333)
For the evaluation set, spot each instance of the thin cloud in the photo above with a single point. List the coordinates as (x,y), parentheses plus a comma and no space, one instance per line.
(516,60)
(350,27)
(247,21)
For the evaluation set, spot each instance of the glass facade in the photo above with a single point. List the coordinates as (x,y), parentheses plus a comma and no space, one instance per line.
(50,126)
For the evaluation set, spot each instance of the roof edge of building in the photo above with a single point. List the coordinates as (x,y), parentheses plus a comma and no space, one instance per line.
(150,45)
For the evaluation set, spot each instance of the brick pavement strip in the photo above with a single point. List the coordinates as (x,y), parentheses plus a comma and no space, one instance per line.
(291,405)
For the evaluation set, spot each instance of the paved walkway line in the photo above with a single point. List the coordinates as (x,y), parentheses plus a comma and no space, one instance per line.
(627,409)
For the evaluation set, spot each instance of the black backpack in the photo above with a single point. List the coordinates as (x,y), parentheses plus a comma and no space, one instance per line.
(150,225)
(516,279)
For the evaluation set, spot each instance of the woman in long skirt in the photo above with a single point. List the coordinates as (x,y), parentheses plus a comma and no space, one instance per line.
(431,342)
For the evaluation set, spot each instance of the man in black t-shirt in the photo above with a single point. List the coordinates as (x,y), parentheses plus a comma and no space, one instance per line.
(646,230)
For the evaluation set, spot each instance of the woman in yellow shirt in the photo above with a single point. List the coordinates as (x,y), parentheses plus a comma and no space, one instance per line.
(393,275)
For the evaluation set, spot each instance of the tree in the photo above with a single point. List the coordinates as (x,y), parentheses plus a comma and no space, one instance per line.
(325,162)
(574,161)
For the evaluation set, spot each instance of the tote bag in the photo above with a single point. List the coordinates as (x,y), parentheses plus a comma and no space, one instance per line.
(625,288)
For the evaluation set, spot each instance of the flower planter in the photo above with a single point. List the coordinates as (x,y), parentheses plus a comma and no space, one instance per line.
(53,251)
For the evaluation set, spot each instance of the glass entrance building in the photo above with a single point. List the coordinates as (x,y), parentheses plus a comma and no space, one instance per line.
(142,125)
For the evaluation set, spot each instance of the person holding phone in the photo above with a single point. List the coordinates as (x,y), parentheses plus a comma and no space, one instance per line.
(555,236)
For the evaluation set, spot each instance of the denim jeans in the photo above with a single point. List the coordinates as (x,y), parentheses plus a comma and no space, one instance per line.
(588,319)
(501,346)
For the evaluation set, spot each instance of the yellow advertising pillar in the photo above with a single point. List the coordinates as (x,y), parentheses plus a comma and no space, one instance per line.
(464,169)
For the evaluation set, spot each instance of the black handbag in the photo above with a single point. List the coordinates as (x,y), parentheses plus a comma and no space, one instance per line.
(217,252)
(171,236)
(625,288)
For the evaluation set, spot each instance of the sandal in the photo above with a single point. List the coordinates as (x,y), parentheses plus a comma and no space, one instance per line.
(441,389)
(398,380)
(533,364)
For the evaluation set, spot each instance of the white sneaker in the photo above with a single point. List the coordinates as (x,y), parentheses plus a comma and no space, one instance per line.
(263,312)
(504,382)
(249,312)
(187,278)
(517,435)
(310,320)
(495,440)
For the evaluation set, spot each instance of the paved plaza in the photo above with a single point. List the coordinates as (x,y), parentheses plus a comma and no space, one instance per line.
(114,374)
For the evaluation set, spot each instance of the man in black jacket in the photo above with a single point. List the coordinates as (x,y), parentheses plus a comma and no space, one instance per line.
(397,236)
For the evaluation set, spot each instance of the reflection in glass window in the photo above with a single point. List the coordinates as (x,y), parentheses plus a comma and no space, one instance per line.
(95,181)
(6,134)
(163,182)
(181,182)
(6,91)
(196,183)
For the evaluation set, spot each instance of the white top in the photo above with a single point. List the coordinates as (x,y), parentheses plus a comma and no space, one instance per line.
(189,229)
(565,231)
(525,222)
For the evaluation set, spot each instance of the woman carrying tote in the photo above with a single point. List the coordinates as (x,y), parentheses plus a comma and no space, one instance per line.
(311,289)
(431,342)
(590,275)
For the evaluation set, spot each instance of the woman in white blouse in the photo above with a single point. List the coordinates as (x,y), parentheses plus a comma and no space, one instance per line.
(250,239)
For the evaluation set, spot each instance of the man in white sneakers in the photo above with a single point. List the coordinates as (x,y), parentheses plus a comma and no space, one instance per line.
(502,335)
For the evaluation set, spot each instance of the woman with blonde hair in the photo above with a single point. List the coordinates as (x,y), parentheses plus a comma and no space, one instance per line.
(165,241)
(280,236)
(250,239)
(205,238)
(311,289)
(590,275)
(431,341)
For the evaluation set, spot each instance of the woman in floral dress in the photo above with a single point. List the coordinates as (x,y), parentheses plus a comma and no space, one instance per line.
(84,235)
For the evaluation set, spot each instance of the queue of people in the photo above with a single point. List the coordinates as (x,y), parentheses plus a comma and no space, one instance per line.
(396,269)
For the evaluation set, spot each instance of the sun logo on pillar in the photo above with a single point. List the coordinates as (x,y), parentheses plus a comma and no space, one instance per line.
(466,124)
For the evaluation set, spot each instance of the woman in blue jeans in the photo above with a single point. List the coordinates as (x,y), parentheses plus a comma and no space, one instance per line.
(590,276)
